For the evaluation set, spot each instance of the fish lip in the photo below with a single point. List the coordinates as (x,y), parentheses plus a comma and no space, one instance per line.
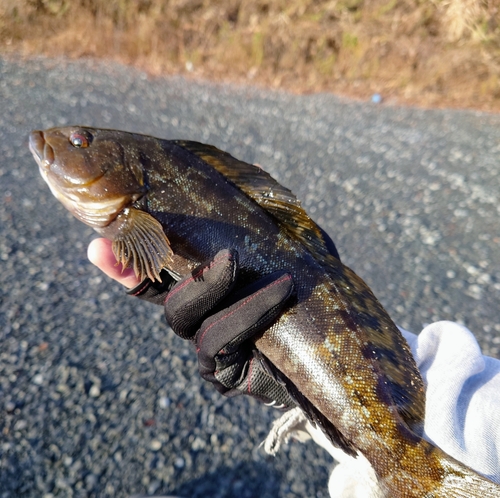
(36,141)
(41,150)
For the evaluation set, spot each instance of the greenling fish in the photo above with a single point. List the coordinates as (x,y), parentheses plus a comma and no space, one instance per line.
(174,204)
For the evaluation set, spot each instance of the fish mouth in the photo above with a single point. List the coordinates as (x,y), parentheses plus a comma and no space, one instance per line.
(45,157)
(41,150)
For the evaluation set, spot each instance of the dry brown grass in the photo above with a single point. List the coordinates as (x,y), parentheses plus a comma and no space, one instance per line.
(426,52)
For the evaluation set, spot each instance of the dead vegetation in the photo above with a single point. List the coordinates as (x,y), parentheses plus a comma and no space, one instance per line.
(425,52)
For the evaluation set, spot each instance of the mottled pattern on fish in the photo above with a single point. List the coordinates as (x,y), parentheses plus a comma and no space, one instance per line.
(338,350)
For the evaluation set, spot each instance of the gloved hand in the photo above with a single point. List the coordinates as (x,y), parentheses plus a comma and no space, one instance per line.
(202,308)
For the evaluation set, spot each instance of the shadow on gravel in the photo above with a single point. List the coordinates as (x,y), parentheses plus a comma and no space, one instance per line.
(245,480)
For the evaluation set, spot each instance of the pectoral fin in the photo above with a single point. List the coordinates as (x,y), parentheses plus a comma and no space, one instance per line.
(140,243)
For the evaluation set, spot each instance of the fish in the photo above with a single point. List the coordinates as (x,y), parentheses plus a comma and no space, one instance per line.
(171,205)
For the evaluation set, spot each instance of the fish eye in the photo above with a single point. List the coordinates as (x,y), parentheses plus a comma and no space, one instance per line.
(80,139)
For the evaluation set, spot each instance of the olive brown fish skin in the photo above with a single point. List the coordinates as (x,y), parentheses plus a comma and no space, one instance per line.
(336,344)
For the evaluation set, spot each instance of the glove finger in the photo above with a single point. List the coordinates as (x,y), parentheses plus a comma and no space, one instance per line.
(192,297)
(257,381)
(242,320)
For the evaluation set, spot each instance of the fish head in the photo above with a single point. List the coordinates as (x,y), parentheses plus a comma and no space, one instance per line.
(89,171)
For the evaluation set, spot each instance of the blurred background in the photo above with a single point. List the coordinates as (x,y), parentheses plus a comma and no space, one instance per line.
(98,398)
(437,53)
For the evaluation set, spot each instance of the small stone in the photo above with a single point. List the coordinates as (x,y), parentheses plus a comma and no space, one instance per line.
(95,391)
(43,286)
(20,425)
(153,487)
(164,402)
(155,445)
(38,379)
(90,481)
(179,463)
(198,444)
(43,346)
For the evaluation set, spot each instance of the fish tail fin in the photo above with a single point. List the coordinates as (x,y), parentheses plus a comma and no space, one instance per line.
(460,481)
(432,473)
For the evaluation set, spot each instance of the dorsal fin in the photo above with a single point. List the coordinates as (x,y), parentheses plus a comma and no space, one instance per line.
(277,200)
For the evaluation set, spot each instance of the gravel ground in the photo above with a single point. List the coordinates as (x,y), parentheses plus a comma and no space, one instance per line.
(97,397)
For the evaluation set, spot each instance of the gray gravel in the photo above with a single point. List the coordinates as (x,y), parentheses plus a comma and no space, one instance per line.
(97,397)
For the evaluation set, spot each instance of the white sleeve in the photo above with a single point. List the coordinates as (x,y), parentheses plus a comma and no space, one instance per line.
(462,414)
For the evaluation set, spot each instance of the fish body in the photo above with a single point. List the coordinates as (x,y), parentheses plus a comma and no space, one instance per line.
(175,204)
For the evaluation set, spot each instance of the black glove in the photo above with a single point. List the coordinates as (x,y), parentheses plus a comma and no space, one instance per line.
(202,308)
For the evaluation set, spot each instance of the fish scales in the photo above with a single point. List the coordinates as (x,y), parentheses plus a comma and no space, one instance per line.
(175,204)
